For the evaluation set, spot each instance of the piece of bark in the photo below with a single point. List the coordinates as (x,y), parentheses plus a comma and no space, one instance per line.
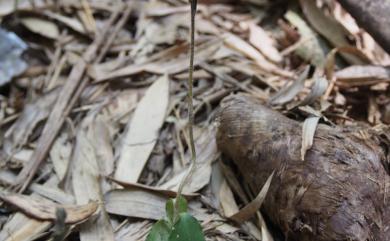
(373,16)
(339,192)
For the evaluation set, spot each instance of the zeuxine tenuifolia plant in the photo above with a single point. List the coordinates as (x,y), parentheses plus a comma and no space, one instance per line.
(179,225)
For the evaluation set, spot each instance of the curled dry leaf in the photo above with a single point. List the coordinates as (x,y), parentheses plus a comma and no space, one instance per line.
(141,136)
(44,209)
(251,208)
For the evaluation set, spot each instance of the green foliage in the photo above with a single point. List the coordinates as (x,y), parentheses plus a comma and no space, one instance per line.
(186,229)
(180,226)
(160,231)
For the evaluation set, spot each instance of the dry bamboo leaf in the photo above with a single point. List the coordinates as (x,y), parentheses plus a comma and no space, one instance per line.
(42,27)
(251,208)
(288,93)
(227,201)
(7,7)
(207,152)
(317,90)
(72,23)
(172,62)
(164,192)
(60,155)
(22,228)
(32,114)
(308,130)
(263,42)
(44,209)
(328,27)
(133,203)
(242,46)
(140,204)
(52,193)
(134,231)
(86,182)
(121,106)
(359,75)
(312,48)
(138,142)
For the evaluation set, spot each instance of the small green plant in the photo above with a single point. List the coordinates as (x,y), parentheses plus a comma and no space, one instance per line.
(179,225)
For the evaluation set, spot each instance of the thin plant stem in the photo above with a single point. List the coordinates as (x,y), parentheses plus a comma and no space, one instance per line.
(190,101)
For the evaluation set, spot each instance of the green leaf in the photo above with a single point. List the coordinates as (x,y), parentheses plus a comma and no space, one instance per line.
(159,232)
(186,229)
(170,209)
(182,204)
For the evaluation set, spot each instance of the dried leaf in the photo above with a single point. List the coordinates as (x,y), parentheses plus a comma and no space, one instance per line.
(44,209)
(288,93)
(60,155)
(170,62)
(317,90)
(140,204)
(86,182)
(328,27)
(159,190)
(138,142)
(312,48)
(260,39)
(206,146)
(308,130)
(42,27)
(32,114)
(242,46)
(22,228)
(251,208)
(227,200)
(72,23)
(359,75)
